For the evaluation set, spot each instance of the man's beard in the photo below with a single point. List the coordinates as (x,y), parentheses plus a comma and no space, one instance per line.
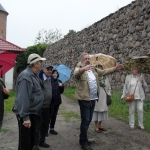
(83,65)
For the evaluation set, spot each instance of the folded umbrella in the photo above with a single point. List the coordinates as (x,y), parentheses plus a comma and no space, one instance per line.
(64,72)
(7,61)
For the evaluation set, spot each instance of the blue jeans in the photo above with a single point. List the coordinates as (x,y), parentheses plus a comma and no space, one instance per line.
(86,111)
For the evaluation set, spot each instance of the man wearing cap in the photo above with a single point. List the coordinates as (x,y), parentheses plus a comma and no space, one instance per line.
(45,76)
(28,101)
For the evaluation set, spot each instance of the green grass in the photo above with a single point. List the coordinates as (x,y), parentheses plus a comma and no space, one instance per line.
(69,92)
(68,114)
(4,130)
(119,109)
(8,103)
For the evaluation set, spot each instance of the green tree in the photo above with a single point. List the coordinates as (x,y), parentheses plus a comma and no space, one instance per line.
(48,37)
(70,33)
(22,58)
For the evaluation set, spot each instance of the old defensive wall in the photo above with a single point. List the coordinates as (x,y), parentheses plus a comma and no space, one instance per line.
(122,34)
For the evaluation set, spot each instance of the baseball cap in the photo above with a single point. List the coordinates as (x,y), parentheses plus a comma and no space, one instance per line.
(34,58)
(47,65)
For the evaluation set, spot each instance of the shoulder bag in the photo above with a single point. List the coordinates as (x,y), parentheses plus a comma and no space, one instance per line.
(130,97)
(108,100)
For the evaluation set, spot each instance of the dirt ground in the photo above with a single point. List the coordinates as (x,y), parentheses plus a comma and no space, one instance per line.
(117,137)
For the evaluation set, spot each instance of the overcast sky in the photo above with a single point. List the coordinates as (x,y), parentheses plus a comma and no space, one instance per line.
(27,17)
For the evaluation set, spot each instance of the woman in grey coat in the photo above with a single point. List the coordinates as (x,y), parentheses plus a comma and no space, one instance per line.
(139,95)
(101,109)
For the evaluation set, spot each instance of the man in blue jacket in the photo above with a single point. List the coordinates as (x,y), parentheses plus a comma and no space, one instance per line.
(28,102)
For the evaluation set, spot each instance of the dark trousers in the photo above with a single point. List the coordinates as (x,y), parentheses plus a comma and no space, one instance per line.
(53,116)
(44,124)
(1,122)
(86,111)
(28,137)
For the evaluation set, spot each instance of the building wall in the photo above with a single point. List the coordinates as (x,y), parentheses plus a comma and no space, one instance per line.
(122,34)
(9,79)
(3,24)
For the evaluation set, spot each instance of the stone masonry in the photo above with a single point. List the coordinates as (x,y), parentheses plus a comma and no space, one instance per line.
(122,34)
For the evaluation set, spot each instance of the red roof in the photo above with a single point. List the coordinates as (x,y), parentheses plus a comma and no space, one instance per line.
(7,46)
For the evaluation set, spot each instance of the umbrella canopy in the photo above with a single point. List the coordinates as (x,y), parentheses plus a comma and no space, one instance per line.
(64,72)
(143,62)
(7,61)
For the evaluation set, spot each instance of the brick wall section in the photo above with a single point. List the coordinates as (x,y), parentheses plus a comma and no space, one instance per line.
(121,34)
(3,24)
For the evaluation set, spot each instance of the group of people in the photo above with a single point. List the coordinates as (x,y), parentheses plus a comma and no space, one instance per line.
(92,96)
(38,96)
(37,100)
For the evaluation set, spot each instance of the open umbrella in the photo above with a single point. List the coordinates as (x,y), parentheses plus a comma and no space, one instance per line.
(64,72)
(143,63)
(106,61)
(7,61)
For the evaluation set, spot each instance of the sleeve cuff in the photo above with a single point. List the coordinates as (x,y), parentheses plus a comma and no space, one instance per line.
(26,118)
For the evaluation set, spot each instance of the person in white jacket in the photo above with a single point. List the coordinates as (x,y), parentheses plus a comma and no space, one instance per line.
(101,109)
(139,95)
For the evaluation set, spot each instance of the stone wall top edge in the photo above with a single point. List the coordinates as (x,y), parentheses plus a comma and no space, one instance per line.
(75,34)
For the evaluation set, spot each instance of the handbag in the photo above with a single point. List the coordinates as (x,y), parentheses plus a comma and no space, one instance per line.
(5,91)
(108,101)
(130,97)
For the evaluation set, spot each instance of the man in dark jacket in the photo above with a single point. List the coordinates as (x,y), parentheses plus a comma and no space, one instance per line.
(45,76)
(28,102)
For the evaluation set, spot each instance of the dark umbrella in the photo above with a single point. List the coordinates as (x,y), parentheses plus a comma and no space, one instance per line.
(7,61)
(143,62)
(64,72)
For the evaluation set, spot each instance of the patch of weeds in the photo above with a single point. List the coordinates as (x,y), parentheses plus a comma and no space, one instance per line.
(127,144)
(69,115)
(101,142)
(112,132)
(109,128)
(2,147)
(4,130)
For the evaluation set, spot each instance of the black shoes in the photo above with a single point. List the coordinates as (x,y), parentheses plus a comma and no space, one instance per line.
(35,147)
(46,134)
(44,145)
(85,146)
(53,132)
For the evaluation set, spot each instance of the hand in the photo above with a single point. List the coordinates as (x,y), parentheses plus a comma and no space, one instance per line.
(88,67)
(60,84)
(27,123)
(118,67)
(141,79)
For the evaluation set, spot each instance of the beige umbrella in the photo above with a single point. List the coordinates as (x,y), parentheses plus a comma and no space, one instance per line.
(106,61)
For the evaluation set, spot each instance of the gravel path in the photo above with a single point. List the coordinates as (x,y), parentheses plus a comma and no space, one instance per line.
(117,137)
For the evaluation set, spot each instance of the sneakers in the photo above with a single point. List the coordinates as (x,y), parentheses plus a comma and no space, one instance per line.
(142,128)
(53,132)
(45,145)
(132,127)
(85,146)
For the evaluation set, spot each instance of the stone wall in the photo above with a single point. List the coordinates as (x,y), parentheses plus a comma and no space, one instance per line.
(122,34)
